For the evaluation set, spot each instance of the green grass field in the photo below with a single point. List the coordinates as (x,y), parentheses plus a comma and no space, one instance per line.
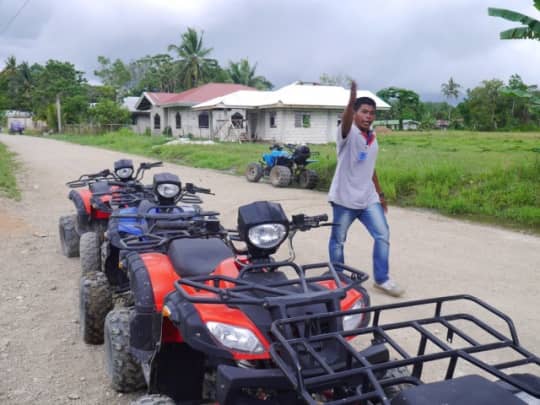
(8,183)
(487,177)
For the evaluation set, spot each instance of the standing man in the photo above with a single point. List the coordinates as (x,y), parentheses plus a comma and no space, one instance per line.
(355,192)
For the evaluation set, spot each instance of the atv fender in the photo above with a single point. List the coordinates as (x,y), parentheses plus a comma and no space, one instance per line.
(82,206)
(145,327)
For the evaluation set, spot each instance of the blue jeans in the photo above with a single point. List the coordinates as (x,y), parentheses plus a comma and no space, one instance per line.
(374,220)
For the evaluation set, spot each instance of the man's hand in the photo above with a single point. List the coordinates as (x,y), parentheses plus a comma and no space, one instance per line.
(352,98)
(383,203)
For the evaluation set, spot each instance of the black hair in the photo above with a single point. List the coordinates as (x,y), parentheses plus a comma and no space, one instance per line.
(363,100)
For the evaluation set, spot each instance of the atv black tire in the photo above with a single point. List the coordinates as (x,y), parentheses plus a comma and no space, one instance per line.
(125,373)
(95,301)
(308,179)
(69,238)
(154,399)
(254,172)
(280,176)
(90,252)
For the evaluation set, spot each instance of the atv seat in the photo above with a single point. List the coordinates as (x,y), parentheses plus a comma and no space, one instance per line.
(467,390)
(197,257)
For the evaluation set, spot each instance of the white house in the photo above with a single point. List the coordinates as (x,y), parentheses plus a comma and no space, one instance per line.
(160,111)
(297,113)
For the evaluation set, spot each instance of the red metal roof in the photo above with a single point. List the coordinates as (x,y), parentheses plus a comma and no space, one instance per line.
(198,94)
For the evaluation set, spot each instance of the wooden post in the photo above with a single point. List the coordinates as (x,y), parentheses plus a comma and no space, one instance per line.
(58,113)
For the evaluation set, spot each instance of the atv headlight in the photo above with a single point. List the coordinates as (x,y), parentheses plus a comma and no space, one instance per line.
(167,190)
(353,321)
(124,172)
(235,338)
(267,236)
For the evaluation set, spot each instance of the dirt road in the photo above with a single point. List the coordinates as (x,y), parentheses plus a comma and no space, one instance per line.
(42,357)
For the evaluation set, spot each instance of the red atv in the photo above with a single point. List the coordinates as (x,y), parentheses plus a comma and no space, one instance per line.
(93,207)
(200,325)
(172,209)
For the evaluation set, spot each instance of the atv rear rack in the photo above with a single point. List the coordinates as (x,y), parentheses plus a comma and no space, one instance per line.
(291,352)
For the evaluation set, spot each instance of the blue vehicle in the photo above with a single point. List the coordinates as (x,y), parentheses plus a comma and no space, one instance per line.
(16,127)
(283,167)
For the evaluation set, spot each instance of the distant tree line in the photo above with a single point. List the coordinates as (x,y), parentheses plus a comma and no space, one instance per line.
(493,105)
(36,87)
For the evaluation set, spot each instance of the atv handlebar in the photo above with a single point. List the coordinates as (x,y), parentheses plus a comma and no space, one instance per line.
(304,222)
(192,189)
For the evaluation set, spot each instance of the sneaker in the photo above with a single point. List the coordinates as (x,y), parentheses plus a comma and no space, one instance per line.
(390,287)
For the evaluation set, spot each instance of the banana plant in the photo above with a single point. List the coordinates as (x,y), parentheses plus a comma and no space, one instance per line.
(530,28)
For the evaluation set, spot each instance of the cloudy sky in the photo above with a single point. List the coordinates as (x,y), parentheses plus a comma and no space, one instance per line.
(414,44)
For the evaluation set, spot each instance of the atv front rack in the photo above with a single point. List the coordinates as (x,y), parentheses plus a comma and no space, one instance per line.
(281,293)
(292,351)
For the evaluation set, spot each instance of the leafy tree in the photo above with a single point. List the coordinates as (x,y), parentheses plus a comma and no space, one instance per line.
(108,112)
(242,73)
(524,99)
(115,75)
(155,73)
(405,103)
(57,78)
(16,85)
(75,109)
(530,28)
(195,66)
(484,108)
(100,93)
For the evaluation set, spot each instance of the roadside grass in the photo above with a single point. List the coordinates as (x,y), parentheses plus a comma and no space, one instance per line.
(8,182)
(486,177)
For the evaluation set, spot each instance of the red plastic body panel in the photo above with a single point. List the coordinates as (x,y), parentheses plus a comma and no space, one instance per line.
(94,214)
(162,276)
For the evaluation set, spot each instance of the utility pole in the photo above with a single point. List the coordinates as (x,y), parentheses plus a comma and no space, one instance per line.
(58,113)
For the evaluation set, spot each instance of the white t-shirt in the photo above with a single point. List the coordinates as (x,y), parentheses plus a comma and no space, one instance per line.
(352,185)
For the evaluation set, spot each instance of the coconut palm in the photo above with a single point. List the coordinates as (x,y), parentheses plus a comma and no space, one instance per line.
(195,66)
(530,28)
(450,90)
(242,73)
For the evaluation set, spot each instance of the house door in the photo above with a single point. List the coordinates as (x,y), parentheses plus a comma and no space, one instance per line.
(252,125)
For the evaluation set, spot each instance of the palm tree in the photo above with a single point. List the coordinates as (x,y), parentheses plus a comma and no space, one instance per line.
(195,66)
(242,73)
(530,28)
(450,90)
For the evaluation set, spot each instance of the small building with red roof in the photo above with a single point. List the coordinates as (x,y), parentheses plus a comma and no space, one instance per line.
(161,111)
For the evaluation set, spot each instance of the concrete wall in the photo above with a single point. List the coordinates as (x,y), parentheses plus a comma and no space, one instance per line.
(322,129)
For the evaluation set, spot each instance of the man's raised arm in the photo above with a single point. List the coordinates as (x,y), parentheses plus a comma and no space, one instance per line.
(348,114)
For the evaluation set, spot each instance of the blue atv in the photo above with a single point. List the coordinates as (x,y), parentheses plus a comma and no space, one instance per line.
(282,167)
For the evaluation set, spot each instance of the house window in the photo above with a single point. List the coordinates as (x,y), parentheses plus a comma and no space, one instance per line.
(178,119)
(339,119)
(157,121)
(273,120)
(302,120)
(204,120)
(237,120)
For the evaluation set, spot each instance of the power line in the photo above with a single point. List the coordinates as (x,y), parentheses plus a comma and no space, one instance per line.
(14,16)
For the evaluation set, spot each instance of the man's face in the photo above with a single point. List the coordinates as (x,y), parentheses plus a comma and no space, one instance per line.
(364,116)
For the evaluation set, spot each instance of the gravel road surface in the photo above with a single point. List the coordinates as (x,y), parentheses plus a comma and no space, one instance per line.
(42,357)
